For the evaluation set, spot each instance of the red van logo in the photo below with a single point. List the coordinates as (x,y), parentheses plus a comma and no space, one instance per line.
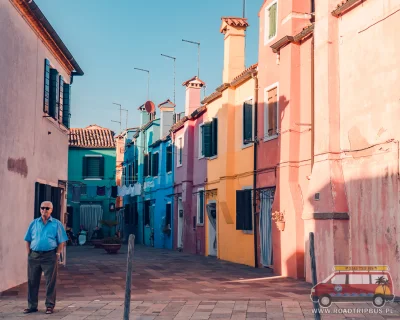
(355,284)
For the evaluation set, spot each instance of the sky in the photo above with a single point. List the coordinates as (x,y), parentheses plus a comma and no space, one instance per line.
(109,38)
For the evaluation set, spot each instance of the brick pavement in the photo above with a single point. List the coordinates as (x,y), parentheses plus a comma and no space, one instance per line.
(173,285)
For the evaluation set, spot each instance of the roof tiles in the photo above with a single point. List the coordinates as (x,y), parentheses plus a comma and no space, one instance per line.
(92,136)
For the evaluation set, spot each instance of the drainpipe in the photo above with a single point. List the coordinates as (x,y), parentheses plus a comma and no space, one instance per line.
(254,76)
(312,87)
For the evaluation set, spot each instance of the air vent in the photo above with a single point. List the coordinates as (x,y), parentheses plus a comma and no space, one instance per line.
(316,196)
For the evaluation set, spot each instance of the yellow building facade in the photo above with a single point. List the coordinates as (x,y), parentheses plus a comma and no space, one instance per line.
(230,168)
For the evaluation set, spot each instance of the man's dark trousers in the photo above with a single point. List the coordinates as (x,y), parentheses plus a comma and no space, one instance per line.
(38,262)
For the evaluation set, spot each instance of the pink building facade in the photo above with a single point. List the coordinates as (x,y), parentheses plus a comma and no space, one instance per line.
(190,173)
(284,131)
(352,203)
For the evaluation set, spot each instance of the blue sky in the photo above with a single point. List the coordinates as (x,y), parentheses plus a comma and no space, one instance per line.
(109,38)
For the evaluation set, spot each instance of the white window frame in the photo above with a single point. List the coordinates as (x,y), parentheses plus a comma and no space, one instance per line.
(180,139)
(266,22)
(244,146)
(266,90)
(198,207)
(200,155)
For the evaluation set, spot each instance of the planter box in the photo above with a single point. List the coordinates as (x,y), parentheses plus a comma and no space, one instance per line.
(112,248)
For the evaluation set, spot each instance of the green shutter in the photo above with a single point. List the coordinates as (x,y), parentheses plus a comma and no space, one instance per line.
(239,210)
(84,167)
(207,139)
(272,20)
(136,169)
(46,91)
(247,122)
(244,219)
(201,206)
(60,98)
(214,139)
(66,105)
(54,94)
(101,168)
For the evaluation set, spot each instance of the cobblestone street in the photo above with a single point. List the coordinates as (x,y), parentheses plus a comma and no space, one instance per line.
(172,285)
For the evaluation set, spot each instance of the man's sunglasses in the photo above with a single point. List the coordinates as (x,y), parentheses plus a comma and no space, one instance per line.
(45,208)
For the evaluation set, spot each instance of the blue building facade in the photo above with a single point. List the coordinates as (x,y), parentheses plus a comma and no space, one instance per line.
(148,166)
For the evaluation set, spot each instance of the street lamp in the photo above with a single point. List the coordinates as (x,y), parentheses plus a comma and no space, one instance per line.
(148,80)
(173,58)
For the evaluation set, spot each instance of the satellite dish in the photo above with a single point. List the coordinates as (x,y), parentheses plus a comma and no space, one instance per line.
(150,107)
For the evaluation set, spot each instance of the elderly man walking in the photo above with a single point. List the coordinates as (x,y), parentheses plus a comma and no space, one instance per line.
(44,242)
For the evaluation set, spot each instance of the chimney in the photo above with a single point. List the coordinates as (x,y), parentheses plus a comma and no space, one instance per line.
(234,30)
(144,115)
(167,109)
(193,94)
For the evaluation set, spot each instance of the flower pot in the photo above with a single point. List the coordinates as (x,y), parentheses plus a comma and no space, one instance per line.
(280,225)
(112,248)
(98,243)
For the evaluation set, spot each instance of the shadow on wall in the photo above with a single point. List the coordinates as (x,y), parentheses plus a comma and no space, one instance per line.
(371,233)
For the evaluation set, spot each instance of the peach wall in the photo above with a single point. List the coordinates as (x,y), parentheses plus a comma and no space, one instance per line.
(24,135)
(284,161)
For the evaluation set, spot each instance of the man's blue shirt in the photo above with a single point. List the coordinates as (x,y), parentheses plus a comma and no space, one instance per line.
(45,237)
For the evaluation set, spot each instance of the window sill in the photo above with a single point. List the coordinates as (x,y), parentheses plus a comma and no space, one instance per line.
(200,225)
(245,146)
(93,179)
(59,125)
(213,157)
(275,136)
(179,165)
(247,231)
(169,172)
(199,158)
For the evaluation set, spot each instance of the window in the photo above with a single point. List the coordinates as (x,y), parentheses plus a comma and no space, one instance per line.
(339,279)
(66,114)
(46,96)
(244,219)
(247,121)
(180,151)
(136,170)
(168,213)
(130,174)
(201,150)
(271,114)
(154,164)
(147,213)
(45,192)
(200,207)
(169,159)
(210,138)
(54,96)
(359,279)
(271,22)
(93,167)
(60,98)
(133,172)
(123,175)
(146,165)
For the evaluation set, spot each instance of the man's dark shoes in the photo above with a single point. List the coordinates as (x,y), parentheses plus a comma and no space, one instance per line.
(30,310)
(49,310)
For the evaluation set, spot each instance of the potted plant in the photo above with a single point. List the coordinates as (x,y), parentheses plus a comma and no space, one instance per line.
(112,244)
(279,218)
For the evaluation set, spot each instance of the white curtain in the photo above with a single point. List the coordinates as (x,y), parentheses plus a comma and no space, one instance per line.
(212,207)
(266,227)
(90,215)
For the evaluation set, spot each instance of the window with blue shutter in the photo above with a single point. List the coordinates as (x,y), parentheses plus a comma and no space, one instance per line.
(146,165)
(169,159)
(46,92)
(247,122)
(244,219)
(154,164)
(54,94)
